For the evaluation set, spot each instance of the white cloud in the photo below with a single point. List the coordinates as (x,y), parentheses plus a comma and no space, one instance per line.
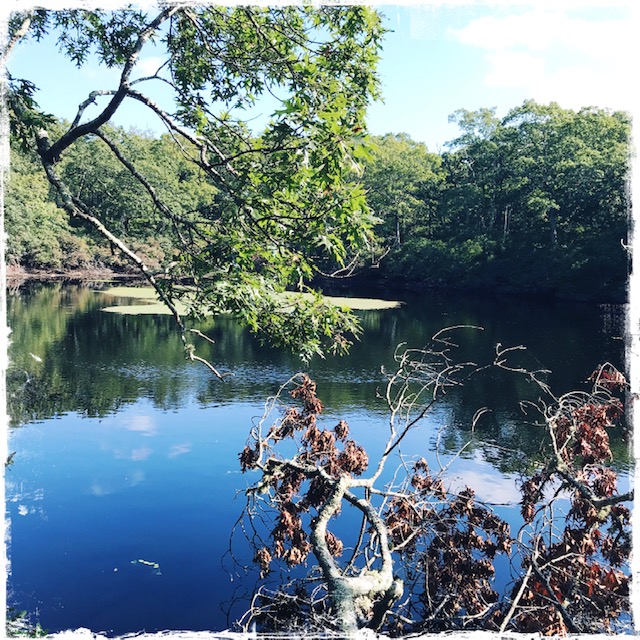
(143,453)
(541,30)
(586,87)
(179,449)
(532,30)
(99,490)
(136,478)
(516,70)
(488,486)
(143,424)
(554,56)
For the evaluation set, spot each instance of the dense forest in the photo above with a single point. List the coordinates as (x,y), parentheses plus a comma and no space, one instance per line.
(534,202)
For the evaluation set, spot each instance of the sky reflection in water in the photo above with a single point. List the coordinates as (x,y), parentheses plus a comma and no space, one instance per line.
(124,487)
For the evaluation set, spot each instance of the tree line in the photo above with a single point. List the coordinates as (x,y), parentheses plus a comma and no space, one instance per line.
(534,202)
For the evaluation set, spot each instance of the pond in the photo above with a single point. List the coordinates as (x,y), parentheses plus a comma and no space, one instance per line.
(124,485)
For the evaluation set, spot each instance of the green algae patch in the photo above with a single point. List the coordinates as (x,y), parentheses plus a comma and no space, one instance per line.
(147,299)
(360,304)
(149,303)
(157,308)
(139,293)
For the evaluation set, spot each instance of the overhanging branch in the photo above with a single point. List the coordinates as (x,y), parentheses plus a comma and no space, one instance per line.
(54,151)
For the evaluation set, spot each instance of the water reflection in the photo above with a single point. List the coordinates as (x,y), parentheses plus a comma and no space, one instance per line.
(97,363)
(128,452)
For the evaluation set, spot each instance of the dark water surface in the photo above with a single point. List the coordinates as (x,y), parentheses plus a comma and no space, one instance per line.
(125,452)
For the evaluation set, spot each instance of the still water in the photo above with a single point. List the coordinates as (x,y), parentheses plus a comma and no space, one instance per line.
(123,490)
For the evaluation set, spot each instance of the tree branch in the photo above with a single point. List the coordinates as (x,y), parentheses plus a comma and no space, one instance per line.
(567,619)
(75,132)
(17,36)
(147,186)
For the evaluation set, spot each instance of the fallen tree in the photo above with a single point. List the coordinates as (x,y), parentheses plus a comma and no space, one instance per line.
(423,558)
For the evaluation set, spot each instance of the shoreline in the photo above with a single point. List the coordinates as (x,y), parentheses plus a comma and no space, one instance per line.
(358,285)
(16,276)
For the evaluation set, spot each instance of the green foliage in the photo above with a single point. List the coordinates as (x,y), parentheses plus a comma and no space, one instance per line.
(111,35)
(24,116)
(403,181)
(535,202)
(242,216)
(475,125)
(39,233)
(95,176)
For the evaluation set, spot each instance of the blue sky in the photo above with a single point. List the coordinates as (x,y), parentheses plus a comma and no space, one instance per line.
(442,57)
(438,57)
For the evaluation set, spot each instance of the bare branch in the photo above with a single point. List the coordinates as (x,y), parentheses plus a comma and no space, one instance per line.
(89,101)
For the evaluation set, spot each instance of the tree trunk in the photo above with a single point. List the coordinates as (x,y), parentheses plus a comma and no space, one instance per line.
(553,227)
(349,594)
